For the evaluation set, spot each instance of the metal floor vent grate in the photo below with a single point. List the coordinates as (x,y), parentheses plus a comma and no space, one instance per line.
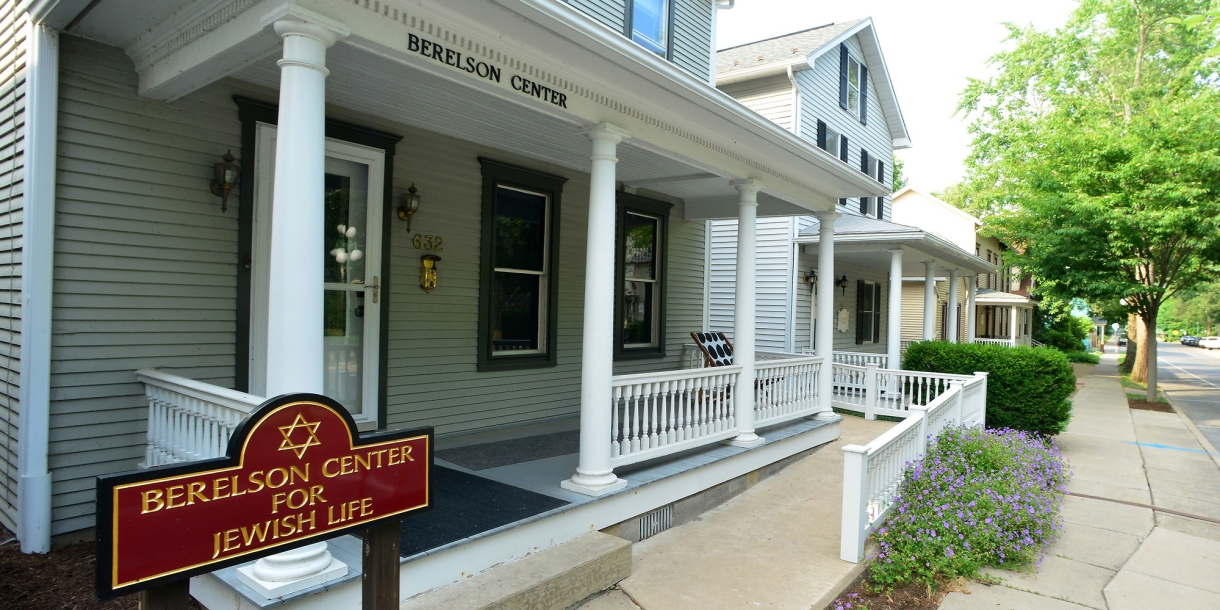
(657,521)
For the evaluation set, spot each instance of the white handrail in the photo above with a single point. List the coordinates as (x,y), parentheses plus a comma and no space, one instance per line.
(786,389)
(873,472)
(861,359)
(656,414)
(189,420)
(1004,342)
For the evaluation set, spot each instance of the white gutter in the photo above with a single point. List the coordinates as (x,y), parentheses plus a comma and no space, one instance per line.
(38,249)
(721,5)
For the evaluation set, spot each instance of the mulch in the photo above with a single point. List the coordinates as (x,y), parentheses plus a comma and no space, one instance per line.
(1144,405)
(61,579)
(911,596)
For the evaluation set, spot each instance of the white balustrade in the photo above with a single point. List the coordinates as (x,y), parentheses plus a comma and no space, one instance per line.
(1004,342)
(861,359)
(656,414)
(692,357)
(785,388)
(190,420)
(873,472)
(850,382)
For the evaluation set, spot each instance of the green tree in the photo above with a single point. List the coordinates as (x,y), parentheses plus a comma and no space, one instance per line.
(899,180)
(1095,153)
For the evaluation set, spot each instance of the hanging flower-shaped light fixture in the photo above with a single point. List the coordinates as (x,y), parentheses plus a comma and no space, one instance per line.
(346,247)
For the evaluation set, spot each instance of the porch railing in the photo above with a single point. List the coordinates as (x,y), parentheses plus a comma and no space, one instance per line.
(189,420)
(1004,342)
(872,391)
(786,388)
(873,472)
(861,359)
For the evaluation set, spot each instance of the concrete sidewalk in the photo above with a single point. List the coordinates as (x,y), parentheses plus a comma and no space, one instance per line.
(776,545)
(1115,556)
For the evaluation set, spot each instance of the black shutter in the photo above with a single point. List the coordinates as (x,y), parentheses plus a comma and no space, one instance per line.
(864,95)
(843,148)
(843,202)
(843,76)
(864,161)
(821,134)
(881,172)
(864,206)
(860,317)
(877,313)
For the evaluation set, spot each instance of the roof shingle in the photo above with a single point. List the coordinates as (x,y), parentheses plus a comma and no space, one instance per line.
(780,49)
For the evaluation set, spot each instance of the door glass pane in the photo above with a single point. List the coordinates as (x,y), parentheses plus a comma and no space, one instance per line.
(520,229)
(639,249)
(640,275)
(344,347)
(638,323)
(514,311)
(346,229)
(346,232)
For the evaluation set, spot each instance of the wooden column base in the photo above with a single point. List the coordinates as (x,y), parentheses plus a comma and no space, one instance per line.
(174,596)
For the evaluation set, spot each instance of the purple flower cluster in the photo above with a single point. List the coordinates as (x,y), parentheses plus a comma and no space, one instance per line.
(979,497)
(851,601)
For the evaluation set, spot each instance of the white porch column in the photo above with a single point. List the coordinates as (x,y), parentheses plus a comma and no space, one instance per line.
(1012,325)
(594,475)
(37,268)
(953,311)
(826,314)
(929,302)
(971,310)
(893,337)
(744,311)
(294,331)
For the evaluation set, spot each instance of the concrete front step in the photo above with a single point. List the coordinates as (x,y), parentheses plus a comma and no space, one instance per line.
(553,579)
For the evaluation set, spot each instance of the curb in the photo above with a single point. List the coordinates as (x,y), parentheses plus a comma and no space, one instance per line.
(1202,440)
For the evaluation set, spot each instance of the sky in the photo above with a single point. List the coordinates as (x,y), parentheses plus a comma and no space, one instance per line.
(931,48)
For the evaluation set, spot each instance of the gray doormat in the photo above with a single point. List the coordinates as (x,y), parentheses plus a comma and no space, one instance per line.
(515,451)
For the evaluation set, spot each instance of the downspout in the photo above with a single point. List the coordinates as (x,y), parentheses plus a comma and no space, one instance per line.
(38,248)
(796,102)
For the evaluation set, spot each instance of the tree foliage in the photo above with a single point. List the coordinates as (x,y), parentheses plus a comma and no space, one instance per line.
(1096,152)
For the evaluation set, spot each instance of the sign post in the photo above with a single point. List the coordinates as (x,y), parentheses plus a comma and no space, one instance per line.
(296,472)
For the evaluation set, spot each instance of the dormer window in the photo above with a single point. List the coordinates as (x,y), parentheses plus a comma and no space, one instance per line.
(649,24)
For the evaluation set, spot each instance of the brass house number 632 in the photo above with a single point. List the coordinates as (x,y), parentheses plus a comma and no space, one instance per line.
(428,242)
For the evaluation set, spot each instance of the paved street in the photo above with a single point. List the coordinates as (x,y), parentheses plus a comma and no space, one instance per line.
(1191,377)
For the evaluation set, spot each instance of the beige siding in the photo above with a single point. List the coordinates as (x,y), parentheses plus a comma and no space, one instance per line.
(13,30)
(770,97)
(912,309)
(843,341)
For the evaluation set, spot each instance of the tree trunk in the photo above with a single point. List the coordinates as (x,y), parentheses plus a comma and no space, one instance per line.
(1150,354)
(1132,345)
(1139,373)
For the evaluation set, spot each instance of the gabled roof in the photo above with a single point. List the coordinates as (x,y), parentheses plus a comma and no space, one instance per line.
(949,207)
(772,55)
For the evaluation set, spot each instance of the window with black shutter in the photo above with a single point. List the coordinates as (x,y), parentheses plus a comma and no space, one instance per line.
(864,206)
(876,313)
(844,59)
(843,148)
(822,135)
(863,95)
(868,312)
(853,84)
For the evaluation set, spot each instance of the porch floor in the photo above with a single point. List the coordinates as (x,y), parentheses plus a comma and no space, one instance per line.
(515,494)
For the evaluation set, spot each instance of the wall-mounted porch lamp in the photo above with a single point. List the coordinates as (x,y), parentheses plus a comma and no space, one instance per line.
(811,278)
(410,205)
(225,179)
(842,283)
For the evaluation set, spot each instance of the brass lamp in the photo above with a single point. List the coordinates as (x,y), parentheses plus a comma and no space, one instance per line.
(410,205)
(225,179)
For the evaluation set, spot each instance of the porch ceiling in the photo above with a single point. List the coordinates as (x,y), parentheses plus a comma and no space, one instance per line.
(876,255)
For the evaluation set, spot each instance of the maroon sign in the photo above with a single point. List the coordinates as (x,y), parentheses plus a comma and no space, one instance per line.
(296,471)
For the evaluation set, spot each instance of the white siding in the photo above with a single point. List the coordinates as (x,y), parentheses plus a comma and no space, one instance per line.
(845,341)
(773,279)
(771,97)
(692,27)
(611,13)
(820,100)
(12,189)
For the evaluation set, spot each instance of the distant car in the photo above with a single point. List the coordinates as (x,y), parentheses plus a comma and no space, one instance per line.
(1210,342)
(1122,341)
(1190,340)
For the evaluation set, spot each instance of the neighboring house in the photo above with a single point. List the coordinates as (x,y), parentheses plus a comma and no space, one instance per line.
(830,86)
(559,158)
(1000,297)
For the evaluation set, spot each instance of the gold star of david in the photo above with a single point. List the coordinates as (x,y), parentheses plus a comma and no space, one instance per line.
(299,448)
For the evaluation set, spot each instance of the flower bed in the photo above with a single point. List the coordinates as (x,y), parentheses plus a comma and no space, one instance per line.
(978,498)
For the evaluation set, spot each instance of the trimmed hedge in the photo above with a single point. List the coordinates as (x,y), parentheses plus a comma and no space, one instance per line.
(1027,388)
(1083,357)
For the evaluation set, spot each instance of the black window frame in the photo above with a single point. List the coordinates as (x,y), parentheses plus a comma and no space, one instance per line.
(496,174)
(629,27)
(873,315)
(626,202)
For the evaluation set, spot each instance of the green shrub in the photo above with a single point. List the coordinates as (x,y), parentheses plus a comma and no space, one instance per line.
(1027,388)
(1082,357)
(978,498)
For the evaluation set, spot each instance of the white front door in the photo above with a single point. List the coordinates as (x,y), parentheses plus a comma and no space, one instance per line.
(352,283)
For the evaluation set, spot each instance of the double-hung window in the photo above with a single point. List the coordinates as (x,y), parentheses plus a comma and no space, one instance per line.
(868,312)
(517,292)
(853,84)
(640,301)
(648,24)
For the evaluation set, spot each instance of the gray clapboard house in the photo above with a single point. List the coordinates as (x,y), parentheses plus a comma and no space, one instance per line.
(830,86)
(490,218)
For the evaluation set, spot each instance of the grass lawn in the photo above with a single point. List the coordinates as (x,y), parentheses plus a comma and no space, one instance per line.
(1125,380)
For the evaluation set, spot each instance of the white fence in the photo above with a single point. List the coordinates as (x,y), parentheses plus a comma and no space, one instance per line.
(874,391)
(189,420)
(656,414)
(872,473)
(861,359)
(1004,342)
